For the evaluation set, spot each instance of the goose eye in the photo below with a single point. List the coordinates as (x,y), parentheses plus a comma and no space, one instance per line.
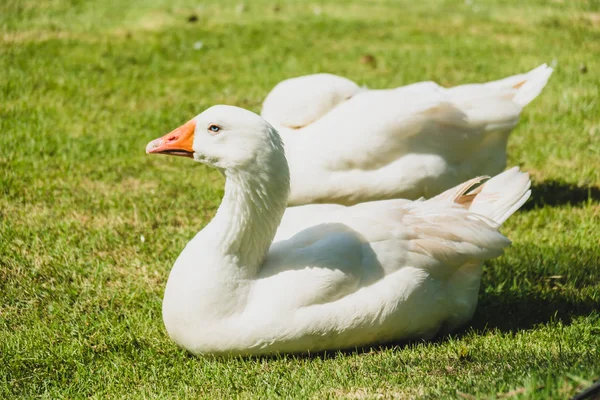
(214,128)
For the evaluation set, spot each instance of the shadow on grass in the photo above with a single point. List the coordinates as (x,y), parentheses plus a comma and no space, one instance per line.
(555,193)
(512,312)
(534,285)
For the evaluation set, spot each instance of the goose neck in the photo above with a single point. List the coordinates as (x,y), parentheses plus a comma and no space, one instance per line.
(251,210)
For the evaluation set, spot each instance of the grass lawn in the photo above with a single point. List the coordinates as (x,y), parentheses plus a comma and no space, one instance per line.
(90,226)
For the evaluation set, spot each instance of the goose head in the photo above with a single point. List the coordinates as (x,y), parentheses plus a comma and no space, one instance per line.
(226,137)
(249,153)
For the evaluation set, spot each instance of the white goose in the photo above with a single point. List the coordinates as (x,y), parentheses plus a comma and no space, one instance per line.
(349,145)
(340,276)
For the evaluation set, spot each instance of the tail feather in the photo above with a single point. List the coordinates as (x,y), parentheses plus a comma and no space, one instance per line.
(496,198)
(521,88)
(462,194)
(498,104)
(501,196)
(530,87)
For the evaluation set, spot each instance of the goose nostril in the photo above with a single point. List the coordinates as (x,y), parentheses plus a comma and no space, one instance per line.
(171,138)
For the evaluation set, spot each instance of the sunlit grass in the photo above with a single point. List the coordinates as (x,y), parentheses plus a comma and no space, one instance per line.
(90,226)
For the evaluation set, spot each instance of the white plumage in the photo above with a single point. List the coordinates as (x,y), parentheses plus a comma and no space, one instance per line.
(349,145)
(329,276)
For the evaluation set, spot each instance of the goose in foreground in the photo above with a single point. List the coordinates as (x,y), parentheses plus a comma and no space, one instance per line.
(348,145)
(335,277)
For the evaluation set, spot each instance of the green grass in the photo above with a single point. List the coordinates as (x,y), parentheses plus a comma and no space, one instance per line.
(84,85)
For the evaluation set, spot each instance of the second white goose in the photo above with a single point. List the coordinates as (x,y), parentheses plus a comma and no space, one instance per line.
(349,145)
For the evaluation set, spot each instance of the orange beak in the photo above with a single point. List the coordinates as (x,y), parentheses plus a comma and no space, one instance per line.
(177,143)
